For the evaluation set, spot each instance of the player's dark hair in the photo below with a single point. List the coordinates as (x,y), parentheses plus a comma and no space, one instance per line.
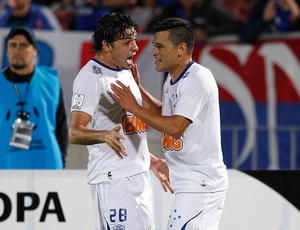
(111,27)
(179,29)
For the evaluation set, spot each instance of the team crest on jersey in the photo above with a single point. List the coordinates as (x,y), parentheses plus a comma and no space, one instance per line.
(96,70)
(77,101)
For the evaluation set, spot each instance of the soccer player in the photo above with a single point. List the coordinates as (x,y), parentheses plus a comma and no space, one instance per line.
(189,119)
(119,159)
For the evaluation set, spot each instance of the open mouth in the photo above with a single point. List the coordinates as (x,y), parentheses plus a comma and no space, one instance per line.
(130,60)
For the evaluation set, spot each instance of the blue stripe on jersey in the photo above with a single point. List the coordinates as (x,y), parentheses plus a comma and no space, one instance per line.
(184,226)
(106,66)
(182,74)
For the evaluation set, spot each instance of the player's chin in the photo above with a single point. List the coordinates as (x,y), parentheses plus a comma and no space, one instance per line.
(159,68)
(126,67)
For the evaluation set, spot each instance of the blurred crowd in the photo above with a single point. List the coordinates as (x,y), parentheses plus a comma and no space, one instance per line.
(245,18)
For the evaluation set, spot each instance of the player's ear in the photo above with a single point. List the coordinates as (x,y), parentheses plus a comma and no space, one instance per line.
(35,52)
(105,45)
(181,48)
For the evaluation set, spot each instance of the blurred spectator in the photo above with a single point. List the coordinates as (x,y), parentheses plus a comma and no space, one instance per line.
(18,13)
(2,3)
(63,5)
(271,16)
(87,14)
(166,2)
(48,3)
(206,17)
(143,12)
(117,4)
(240,9)
(64,10)
(33,119)
(89,11)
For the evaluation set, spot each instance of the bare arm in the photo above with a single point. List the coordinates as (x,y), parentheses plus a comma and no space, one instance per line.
(161,171)
(171,125)
(294,8)
(269,11)
(79,134)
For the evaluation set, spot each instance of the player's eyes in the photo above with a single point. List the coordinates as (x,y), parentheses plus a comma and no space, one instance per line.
(157,46)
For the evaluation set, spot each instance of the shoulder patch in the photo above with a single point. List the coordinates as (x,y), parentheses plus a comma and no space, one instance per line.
(96,70)
(77,101)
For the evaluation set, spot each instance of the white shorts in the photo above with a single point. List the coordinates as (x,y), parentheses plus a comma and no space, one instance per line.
(196,211)
(124,204)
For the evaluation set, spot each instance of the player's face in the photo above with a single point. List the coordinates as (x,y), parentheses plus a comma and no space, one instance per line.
(20,53)
(123,50)
(18,4)
(164,53)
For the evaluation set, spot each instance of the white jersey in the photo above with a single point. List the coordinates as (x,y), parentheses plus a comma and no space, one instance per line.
(195,160)
(92,95)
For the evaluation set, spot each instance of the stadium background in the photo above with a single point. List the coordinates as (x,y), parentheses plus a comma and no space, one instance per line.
(259,96)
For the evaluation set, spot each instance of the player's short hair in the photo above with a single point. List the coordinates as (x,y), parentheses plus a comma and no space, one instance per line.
(111,27)
(179,29)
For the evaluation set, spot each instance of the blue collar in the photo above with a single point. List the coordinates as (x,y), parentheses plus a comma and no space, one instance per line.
(182,74)
(100,63)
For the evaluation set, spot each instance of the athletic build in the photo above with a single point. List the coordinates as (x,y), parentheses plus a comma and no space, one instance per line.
(189,119)
(119,159)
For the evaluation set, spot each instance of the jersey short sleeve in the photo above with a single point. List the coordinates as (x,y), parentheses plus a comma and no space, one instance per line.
(86,92)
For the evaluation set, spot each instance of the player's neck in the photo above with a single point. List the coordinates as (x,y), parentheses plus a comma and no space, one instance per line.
(177,70)
(105,60)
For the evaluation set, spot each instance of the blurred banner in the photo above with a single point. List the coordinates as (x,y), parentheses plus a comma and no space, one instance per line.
(61,200)
(259,90)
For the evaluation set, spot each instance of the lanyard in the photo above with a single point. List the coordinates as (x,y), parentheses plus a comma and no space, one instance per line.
(21,102)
